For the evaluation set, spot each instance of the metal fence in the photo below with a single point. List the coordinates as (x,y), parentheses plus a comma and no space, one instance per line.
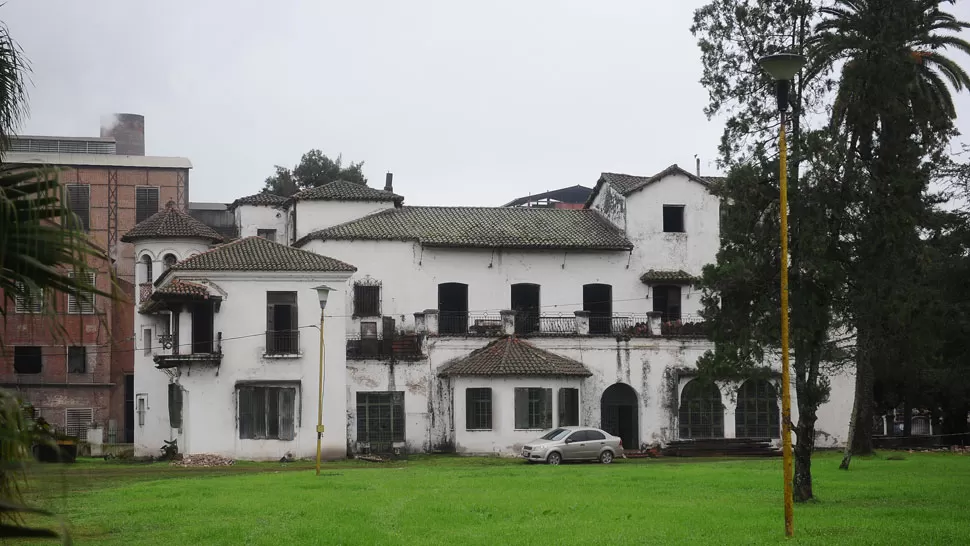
(283,342)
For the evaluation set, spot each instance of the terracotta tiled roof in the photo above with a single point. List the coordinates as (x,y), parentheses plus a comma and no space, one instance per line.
(513,356)
(171,223)
(628,183)
(259,254)
(341,190)
(481,227)
(259,199)
(660,275)
(178,287)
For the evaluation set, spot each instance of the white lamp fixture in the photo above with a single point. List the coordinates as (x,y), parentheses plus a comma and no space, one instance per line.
(782,68)
(323,292)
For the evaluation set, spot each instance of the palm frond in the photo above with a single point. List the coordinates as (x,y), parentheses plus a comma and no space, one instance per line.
(13,86)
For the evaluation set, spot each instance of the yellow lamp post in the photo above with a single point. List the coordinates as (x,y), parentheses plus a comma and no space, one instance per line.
(782,68)
(323,292)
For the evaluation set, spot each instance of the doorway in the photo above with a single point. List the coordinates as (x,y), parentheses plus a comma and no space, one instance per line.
(202,328)
(453,308)
(525,303)
(598,301)
(129,408)
(620,414)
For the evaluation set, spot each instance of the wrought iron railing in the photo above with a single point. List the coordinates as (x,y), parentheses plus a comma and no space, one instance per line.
(403,347)
(557,324)
(283,342)
(145,290)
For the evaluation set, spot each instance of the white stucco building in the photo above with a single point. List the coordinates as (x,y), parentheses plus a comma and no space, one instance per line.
(462,328)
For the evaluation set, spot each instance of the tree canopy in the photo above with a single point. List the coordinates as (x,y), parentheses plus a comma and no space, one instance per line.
(314,170)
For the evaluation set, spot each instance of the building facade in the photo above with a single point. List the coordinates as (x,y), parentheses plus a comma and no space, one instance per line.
(83,374)
(473,329)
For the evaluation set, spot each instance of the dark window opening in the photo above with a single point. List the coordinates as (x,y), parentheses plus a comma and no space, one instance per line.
(757,413)
(598,301)
(146,203)
(77,360)
(79,203)
(27,360)
(367,300)
(203,329)
(478,409)
(701,410)
(168,261)
(282,328)
(620,414)
(380,419)
(175,405)
(267,413)
(568,407)
(525,303)
(666,301)
(533,408)
(453,308)
(674,218)
(268,234)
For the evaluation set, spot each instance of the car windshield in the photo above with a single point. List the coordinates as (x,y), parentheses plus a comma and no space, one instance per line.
(556,434)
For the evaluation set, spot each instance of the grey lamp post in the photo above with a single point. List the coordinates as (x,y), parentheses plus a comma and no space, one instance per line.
(323,292)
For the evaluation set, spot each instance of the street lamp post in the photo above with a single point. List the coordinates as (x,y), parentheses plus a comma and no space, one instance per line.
(782,68)
(323,292)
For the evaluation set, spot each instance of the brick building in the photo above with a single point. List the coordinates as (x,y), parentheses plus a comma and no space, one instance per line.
(72,360)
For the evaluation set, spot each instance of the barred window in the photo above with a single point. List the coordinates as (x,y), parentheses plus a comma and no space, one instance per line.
(568,407)
(533,408)
(77,360)
(478,409)
(30,303)
(82,303)
(701,410)
(757,414)
(367,300)
(380,417)
(267,412)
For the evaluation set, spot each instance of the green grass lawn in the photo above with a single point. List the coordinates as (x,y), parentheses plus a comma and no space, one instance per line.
(923,499)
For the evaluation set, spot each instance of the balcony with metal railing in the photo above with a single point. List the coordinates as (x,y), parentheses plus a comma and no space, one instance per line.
(145,290)
(282,344)
(396,347)
(170,354)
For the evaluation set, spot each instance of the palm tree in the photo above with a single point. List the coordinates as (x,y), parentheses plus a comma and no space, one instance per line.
(40,249)
(892,62)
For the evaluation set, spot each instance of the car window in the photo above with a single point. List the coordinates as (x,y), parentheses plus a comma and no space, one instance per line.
(556,434)
(594,435)
(579,436)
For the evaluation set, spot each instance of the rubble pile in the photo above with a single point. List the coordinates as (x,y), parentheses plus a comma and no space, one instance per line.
(203,459)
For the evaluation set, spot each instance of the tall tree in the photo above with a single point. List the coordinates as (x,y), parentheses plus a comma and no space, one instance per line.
(314,169)
(741,295)
(894,109)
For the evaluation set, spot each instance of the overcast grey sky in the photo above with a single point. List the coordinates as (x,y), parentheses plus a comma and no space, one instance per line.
(467,103)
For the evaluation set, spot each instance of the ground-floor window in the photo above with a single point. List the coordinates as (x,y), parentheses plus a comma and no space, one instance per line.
(380,417)
(568,407)
(701,410)
(77,421)
(533,408)
(478,409)
(757,413)
(267,412)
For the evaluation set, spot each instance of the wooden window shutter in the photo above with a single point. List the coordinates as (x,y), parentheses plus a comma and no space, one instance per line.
(287,403)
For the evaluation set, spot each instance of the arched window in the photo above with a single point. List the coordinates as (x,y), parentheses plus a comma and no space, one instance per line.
(146,260)
(757,415)
(701,410)
(168,261)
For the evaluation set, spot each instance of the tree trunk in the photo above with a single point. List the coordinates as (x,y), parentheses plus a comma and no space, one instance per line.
(860,435)
(853,423)
(805,433)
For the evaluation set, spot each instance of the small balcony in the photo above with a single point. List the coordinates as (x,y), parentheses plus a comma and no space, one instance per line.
(171,355)
(403,347)
(282,344)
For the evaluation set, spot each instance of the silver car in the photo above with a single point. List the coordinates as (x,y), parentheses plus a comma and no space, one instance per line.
(573,444)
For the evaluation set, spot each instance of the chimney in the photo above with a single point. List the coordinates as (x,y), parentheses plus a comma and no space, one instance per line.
(697,159)
(388,182)
(128,130)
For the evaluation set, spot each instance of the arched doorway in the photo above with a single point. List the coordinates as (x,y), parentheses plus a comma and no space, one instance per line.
(620,414)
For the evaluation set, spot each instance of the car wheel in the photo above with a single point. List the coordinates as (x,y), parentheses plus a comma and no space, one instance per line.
(606,457)
(554,458)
